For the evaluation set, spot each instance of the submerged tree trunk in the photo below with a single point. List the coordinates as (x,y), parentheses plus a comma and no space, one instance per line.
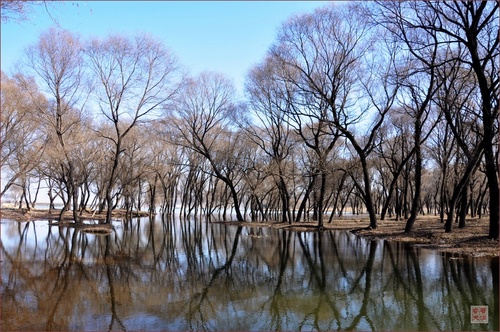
(304,199)
(367,194)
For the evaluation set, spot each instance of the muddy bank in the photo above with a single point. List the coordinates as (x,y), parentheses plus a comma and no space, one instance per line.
(429,233)
(35,214)
(428,230)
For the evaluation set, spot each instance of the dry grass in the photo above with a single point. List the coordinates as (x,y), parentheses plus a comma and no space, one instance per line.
(429,232)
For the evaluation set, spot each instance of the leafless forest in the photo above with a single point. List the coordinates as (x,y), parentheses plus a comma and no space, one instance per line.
(384,108)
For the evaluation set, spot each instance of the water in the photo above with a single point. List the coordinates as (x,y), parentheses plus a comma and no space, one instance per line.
(172,275)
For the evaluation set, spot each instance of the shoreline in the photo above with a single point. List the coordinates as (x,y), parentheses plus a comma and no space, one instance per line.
(428,230)
(428,233)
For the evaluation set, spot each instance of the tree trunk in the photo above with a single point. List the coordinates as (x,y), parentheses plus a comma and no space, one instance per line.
(321,199)
(488,126)
(304,200)
(368,194)
(459,188)
(111,180)
(418,171)
(285,198)
(463,208)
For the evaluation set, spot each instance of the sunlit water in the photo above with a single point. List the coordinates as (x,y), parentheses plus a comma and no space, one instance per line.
(172,275)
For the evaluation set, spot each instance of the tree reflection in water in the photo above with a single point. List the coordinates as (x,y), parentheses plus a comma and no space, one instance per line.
(191,275)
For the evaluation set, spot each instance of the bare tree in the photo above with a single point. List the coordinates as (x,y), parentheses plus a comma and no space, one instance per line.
(15,9)
(327,61)
(459,100)
(22,143)
(78,151)
(419,85)
(396,152)
(132,169)
(57,62)
(135,78)
(440,146)
(203,120)
(166,164)
(472,28)
(19,10)
(271,132)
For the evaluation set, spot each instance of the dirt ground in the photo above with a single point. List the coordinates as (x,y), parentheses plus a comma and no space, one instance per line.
(428,231)
(35,214)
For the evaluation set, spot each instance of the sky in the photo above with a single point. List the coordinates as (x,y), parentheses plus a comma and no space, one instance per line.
(222,36)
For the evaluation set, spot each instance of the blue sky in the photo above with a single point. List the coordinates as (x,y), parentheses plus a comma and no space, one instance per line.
(224,36)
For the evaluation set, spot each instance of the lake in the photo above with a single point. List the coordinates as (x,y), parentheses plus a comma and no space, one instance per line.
(163,274)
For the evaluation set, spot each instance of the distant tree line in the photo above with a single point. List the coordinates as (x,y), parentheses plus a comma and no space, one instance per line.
(388,108)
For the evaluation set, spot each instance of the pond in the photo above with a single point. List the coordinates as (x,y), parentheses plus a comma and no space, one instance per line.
(192,275)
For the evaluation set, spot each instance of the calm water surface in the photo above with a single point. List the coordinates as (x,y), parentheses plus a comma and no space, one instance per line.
(172,275)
